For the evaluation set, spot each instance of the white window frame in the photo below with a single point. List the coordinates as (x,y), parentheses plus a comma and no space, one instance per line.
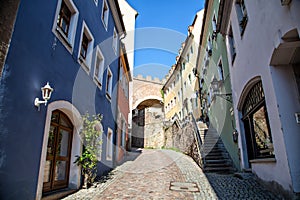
(123,133)
(67,41)
(109,144)
(87,62)
(214,23)
(99,127)
(221,71)
(115,41)
(104,18)
(108,88)
(232,45)
(242,15)
(99,79)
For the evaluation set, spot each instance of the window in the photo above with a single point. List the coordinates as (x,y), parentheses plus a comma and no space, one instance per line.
(109,144)
(192,50)
(178,95)
(190,79)
(220,71)
(174,100)
(65,22)
(123,81)
(99,127)
(123,139)
(214,27)
(109,83)
(231,45)
(64,18)
(86,48)
(196,102)
(115,41)
(214,24)
(209,47)
(99,67)
(242,15)
(184,84)
(183,65)
(256,124)
(105,13)
(188,57)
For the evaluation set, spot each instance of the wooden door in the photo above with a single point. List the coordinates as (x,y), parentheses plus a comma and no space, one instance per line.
(56,171)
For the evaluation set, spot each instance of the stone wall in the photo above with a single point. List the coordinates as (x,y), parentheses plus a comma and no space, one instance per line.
(154,133)
(183,139)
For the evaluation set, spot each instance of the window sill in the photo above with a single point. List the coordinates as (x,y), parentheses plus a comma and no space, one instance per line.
(233,59)
(263,160)
(108,96)
(104,24)
(109,158)
(83,64)
(97,82)
(64,40)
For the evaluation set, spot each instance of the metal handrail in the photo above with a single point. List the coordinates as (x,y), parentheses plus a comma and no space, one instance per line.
(196,134)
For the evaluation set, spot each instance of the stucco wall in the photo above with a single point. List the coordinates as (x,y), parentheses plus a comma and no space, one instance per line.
(254,49)
(36,56)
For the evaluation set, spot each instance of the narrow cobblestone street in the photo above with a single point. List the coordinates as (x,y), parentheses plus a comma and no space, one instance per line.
(149,174)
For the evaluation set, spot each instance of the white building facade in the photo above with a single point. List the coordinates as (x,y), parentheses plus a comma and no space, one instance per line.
(129,18)
(263,48)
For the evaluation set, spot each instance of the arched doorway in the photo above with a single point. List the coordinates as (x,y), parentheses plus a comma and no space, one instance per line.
(57,166)
(256,124)
(147,124)
(74,117)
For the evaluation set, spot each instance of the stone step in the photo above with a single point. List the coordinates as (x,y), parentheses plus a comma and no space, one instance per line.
(215,161)
(215,158)
(58,194)
(217,165)
(215,150)
(217,153)
(221,170)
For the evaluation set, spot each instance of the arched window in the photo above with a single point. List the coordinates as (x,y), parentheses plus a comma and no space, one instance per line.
(256,122)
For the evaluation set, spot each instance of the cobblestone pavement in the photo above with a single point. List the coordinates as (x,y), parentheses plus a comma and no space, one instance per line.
(150,174)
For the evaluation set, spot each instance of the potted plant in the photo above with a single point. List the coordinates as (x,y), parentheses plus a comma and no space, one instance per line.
(91,135)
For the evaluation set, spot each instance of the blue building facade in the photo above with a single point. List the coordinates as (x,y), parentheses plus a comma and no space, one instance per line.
(74,46)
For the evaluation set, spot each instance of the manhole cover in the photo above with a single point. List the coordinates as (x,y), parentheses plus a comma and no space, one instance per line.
(184,187)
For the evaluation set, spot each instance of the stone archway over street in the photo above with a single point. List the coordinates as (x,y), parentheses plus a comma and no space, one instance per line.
(147,118)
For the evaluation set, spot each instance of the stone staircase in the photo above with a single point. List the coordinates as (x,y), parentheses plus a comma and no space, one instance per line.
(215,158)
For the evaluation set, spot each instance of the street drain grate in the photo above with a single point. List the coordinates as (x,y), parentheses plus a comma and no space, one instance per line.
(184,187)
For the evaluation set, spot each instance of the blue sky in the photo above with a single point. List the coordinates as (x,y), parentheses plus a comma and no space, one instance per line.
(161,27)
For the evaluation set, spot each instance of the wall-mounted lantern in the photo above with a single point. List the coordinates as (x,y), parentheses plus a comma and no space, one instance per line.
(46,94)
(215,84)
(235,136)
